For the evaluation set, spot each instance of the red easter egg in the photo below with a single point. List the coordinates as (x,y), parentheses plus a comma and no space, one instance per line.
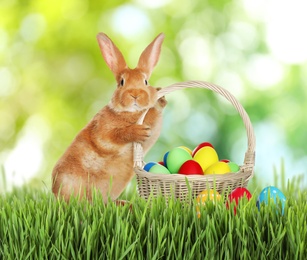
(190,167)
(225,160)
(236,195)
(162,163)
(200,146)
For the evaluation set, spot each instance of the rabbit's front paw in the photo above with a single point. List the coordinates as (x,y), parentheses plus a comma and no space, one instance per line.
(140,133)
(161,102)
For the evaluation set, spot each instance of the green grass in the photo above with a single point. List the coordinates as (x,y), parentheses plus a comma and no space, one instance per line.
(34,225)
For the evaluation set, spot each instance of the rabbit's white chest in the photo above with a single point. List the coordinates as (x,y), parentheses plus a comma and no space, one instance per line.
(91,160)
(125,150)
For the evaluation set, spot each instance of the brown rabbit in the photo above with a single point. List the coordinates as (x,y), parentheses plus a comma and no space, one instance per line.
(101,155)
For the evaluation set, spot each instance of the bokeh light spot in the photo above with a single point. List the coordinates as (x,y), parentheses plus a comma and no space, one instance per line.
(264,71)
(32,27)
(7,82)
(130,21)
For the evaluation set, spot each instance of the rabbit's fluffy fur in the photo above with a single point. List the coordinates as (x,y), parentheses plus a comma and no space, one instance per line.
(101,155)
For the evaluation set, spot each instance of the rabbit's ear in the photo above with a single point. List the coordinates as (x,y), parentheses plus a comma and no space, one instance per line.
(150,55)
(111,54)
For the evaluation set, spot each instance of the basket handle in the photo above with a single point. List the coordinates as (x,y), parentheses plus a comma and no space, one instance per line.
(249,159)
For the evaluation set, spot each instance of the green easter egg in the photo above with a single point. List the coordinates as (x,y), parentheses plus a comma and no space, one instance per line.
(176,158)
(233,167)
(158,168)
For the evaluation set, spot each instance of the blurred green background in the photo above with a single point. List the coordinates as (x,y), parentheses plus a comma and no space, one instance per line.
(53,78)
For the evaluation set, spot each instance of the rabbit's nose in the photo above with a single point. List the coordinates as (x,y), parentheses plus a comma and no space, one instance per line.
(134,96)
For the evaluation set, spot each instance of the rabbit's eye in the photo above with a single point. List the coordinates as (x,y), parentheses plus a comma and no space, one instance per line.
(122,82)
(146,82)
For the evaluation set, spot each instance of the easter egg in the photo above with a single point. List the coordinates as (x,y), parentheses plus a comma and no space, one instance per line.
(225,160)
(147,166)
(161,162)
(271,194)
(165,158)
(187,149)
(237,195)
(206,156)
(176,158)
(233,167)
(205,196)
(158,168)
(218,168)
(190,167)
(204,144)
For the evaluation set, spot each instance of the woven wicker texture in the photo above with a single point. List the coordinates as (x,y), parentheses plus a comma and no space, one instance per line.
(178,185)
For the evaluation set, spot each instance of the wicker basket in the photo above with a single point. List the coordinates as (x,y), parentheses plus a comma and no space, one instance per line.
(179,185)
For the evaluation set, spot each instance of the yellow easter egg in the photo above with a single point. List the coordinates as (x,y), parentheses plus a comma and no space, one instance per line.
(204,197)
(218,168)
(207,195)
(206,156)
(186,148)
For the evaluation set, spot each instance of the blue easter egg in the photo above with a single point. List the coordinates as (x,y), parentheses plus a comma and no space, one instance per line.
(148,166)
(273,193)
(165,158)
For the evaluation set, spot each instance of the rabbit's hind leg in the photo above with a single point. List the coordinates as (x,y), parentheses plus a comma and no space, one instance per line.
(70,186)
